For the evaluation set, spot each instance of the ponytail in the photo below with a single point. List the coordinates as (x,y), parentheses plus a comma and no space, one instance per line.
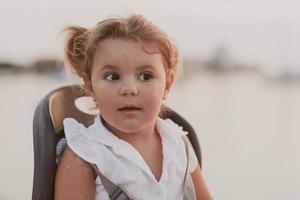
(75,49)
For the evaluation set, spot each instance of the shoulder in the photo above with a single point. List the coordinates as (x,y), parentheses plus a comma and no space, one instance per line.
(73,128)
(71,161)
(190,152)
(170,129)
(79,139)
(75,178)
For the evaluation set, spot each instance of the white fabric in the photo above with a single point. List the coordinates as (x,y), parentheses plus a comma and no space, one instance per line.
(124,166)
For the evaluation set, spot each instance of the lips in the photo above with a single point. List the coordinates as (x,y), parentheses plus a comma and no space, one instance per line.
(129,108)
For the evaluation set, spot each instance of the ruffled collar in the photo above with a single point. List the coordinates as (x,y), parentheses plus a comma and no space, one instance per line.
(169,131)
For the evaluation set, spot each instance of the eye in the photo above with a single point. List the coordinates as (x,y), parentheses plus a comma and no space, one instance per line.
(145,76)
(111,77)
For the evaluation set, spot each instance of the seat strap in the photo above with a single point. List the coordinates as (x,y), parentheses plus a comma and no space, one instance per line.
(186,144)
(115,192)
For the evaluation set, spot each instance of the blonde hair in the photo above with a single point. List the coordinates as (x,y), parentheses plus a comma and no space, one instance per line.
(81,43)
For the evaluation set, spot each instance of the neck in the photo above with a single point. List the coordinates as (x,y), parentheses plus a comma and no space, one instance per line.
(139,136)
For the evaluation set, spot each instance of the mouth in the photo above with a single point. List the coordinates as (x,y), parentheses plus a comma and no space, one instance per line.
(129,108)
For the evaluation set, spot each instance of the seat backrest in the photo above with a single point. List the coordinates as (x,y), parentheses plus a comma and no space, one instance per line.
(62,105)
(48,129)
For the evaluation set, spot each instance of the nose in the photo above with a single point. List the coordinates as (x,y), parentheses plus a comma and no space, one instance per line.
(128,88)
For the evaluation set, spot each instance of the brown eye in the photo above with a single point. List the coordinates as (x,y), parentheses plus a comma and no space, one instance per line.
(111,77)
(145,76)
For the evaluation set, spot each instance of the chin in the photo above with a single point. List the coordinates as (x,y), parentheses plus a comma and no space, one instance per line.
(128,126)
(129,129)
(124,128)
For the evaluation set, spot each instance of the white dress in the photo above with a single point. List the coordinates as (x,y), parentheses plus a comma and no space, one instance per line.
(120,162)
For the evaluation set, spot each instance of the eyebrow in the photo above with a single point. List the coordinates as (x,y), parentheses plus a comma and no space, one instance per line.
(115,67)
(142,67)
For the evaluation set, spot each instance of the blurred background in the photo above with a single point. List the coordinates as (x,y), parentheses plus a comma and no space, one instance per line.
(239,87)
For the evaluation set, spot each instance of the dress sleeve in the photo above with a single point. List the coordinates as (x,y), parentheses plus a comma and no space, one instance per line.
(77,139)
(193,161)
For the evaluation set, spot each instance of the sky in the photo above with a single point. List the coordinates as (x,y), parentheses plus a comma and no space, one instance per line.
(258,32)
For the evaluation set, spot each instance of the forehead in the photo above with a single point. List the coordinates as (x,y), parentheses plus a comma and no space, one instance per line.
(122,52)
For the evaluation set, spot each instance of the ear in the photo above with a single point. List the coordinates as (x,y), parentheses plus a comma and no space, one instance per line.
(88,86)
(169,83)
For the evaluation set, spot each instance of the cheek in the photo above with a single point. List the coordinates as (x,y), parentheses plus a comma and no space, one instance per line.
(103,94)
(160,87)
(106,105)
(154,93)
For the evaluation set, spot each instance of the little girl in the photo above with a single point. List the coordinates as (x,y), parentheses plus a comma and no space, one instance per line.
(128,67)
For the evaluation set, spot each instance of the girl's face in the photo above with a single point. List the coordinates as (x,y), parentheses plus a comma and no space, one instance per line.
(128,85)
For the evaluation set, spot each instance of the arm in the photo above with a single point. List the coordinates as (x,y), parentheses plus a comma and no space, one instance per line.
(75,178)
(201,189)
